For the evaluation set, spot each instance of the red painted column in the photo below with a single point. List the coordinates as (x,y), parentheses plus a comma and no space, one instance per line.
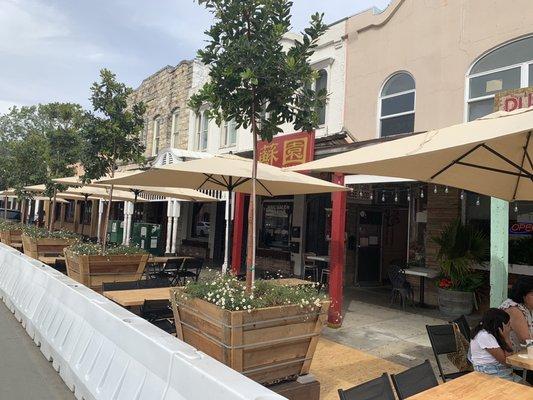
(337,253)
(238,227)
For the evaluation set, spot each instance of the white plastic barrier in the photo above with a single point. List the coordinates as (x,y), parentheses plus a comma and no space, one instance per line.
(103,351)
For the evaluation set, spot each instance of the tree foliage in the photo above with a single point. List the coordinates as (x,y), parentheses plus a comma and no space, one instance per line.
(254,80)
(112,133)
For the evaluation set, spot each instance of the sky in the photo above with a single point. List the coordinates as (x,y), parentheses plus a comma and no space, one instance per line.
(52,50)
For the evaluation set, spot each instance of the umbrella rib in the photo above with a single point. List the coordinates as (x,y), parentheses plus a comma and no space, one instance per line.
(518,167)
(502,171)
(264,187)
(239,182)
(522,164)
(456,161)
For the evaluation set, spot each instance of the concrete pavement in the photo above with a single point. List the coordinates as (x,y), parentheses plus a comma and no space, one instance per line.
(24,373)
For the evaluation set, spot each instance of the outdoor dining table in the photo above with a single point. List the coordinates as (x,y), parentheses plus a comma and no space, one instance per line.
(476,386)
(324,259)
(521,360)
(423,273)
(136,297)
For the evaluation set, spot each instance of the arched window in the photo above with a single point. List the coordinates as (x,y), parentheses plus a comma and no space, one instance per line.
(507,67)
(322,84)
(156,136)
(228,134)
(174,134)
(202,131)
(397,105)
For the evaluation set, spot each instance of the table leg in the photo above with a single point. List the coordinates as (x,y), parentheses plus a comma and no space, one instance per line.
(524,376)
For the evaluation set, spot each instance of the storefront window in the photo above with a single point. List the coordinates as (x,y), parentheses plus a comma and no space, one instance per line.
(276,227)
(201,221)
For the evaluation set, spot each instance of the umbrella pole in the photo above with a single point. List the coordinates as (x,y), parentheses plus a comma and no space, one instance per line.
(5,208)
(52,212)
(84,213)
(106,221)
(225,266)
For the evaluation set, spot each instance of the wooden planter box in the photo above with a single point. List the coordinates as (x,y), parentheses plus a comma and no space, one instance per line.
(12,238)
(42,247)
(267,345)
(94,270)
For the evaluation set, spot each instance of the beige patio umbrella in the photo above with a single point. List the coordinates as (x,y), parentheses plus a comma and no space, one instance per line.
(492,156)
(228,173)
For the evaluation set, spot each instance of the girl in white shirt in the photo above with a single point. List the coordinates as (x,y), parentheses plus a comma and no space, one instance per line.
(491,345)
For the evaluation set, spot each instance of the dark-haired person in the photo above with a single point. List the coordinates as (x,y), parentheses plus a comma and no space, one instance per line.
(519,306)
(490,345)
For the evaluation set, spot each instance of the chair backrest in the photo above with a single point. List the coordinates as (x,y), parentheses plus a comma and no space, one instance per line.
(396,276)
(154,283)
(128,285)
(193,264)
(376,389)
(414,380)
(156,308)
(462,323)
(442,339)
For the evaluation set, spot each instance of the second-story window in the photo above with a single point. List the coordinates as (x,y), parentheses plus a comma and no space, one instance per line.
(229,134)
(156,136)
(202,131)
(322,83)
(397,105)
(174,141)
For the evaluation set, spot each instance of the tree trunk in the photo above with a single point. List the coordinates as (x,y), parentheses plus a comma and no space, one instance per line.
(52,212)
(106,222)
(252,219)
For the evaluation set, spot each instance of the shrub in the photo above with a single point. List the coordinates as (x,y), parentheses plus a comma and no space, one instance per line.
(91,249)
(40,233)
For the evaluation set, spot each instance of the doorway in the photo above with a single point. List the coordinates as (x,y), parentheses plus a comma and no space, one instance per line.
(368,255)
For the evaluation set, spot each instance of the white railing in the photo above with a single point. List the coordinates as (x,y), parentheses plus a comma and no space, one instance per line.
(103,351)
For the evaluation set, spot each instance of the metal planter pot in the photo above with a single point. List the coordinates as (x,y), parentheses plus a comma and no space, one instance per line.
(455,303)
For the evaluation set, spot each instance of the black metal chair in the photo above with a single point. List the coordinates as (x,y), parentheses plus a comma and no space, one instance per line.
(128,285)
(462,323)
(414,380)
(190,269)
(376,389)
(442,340)
(401,288)
(159,313)
(155,283)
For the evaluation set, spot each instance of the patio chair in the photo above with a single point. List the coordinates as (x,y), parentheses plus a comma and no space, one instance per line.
(159,313)
(442,340)
(110,286)
(155,283)
(311,267)
(376,389)
(169,271)
(190,269)
(401,288)
(414,380)
(462,323)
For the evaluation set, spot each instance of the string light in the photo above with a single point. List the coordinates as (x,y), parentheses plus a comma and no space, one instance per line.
(421,193)
(396,197)
(462,194)
(478,201)
(515,207)
(446,190)
(435,189)
(409,195)
(372,195)
(383,197)
(360,193)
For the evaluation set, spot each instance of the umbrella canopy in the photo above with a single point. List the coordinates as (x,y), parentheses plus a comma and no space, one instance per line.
(100,193)
(182,194)
(228,172)
(492,156)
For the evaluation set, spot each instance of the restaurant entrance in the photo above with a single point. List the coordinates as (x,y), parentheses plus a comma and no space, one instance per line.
(368,250)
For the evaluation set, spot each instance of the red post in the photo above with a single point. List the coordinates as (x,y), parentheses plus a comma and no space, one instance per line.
(337,253)
(238,227)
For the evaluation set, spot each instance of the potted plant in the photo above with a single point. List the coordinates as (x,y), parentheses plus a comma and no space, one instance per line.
(460,248)
(10,234)
(39,242)
(91,265)
(269,335)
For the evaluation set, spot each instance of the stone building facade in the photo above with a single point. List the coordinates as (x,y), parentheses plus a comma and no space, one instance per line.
(165,94)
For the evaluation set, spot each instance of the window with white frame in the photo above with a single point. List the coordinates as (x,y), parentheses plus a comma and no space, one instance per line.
(507,67)
(397,105)
(202,131)
(320,84)
(174,134)
(228,134)
(156,136)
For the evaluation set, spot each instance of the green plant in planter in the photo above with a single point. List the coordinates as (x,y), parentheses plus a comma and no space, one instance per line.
(229,293)
(91,249)
(10,226)
(461,247)
(40,233)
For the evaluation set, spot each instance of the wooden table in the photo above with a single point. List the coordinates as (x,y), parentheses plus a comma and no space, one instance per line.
(136,297)
(521,360)
(292,282)
(423,273)
(165,259)
(477,386)
(325,259)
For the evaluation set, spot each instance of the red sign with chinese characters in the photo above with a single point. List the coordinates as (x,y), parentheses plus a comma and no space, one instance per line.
(287,150)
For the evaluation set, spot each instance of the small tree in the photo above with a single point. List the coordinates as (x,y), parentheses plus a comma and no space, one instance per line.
(112,134)
(255,81)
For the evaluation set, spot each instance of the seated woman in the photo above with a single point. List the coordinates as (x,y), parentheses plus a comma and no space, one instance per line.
(491,345)
(519,306)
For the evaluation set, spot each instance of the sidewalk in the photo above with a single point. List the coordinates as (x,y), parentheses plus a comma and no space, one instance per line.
(24,373)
